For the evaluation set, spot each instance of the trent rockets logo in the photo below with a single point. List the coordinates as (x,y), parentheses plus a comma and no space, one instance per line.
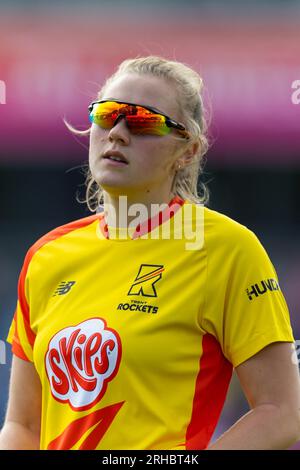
(147,277)
(80,361)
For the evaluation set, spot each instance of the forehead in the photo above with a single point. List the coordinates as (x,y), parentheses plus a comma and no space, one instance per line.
(144,89)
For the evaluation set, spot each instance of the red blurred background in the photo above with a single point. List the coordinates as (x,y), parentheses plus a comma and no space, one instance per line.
(54,64)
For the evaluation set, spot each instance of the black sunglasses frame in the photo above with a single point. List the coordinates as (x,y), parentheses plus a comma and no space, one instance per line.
(169,121)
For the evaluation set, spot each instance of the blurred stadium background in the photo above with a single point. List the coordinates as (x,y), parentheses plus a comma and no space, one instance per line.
(52,61)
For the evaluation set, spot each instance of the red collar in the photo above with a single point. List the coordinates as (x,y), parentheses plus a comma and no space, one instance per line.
(141,229)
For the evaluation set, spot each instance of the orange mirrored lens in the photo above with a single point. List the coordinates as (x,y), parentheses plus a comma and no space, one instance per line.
(139,120)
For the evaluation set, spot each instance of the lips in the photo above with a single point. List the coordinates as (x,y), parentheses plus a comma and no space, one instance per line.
(115,156)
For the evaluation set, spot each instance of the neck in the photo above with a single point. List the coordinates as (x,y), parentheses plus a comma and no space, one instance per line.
(122,209)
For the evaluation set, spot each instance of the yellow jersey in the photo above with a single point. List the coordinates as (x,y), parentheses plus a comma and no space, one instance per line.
(134,334)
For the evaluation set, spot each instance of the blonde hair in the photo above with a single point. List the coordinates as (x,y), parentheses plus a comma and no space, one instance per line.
(189,87)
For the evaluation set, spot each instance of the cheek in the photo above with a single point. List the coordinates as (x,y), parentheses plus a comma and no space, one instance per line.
(97,137)
(95,149)
(163,154)
(155,166)
(149,162)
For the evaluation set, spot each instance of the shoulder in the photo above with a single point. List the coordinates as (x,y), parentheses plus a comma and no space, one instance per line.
(58,233)
(218,222)
(231,244)
(221,230)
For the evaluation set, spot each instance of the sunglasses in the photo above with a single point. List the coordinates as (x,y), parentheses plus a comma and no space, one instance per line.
(140,119)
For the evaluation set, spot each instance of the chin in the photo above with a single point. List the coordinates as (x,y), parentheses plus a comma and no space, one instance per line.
(111,185)
(107,178)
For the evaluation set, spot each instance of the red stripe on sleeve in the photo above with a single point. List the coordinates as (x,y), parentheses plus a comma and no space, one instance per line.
(19,351)
(16,345)
(53,235)
(23,302)
(210,392)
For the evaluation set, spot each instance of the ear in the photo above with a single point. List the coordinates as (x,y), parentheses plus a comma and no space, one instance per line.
(188,155)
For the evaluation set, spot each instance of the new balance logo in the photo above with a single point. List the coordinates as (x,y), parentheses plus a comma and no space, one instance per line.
(64,287)
(147,277)
(262,288)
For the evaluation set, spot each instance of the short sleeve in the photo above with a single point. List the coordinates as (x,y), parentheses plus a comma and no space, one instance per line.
(245,308)
(20,335)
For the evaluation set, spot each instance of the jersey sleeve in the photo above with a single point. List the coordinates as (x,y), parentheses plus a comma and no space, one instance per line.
(21,335)
(245,308)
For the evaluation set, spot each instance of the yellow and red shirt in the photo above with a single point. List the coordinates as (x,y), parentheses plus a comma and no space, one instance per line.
(134,335)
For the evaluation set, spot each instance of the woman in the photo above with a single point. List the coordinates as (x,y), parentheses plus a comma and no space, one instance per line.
(128,326)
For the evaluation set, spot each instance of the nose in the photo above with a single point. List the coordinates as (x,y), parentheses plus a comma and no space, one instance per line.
(120,132)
